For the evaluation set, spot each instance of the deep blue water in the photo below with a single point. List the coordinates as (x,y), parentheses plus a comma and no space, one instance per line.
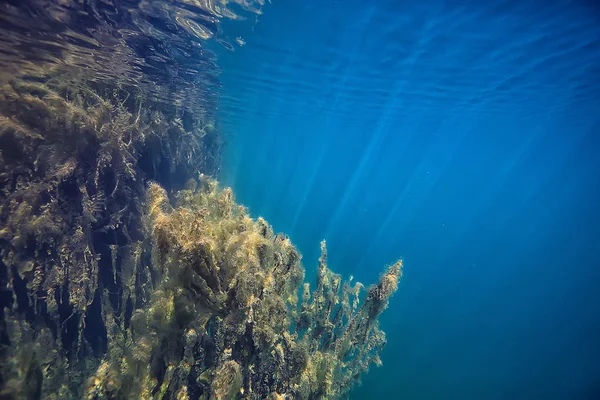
(462,136)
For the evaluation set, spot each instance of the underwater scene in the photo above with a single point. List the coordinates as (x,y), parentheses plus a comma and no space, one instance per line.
(286,199)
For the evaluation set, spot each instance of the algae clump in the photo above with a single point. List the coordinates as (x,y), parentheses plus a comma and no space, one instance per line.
(121,282)
(228,302)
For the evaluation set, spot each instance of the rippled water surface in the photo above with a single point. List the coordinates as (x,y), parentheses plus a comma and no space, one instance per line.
(158,46)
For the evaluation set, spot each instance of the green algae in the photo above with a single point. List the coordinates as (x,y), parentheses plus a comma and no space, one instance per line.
(122,280)
(227,300)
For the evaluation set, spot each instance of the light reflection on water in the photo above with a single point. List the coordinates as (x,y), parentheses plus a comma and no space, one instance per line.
(349,61)
(160,47)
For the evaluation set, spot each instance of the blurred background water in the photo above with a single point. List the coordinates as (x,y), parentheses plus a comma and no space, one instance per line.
(463,136)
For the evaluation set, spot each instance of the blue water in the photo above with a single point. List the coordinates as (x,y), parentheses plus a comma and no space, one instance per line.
(462,136)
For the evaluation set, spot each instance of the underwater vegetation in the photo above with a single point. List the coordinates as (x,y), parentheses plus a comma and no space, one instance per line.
(216,308)
(219,316)
(229,303)
(74,159)
(126,272)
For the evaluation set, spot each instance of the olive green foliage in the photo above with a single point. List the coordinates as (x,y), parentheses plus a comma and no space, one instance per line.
(225,321)
(112,289)
(74,159)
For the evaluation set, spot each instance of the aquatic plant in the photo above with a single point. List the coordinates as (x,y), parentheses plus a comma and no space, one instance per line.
(225,320)
(113,289)
(74,159)
(109,287)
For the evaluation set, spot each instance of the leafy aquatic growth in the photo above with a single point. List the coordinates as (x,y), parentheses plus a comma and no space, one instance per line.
(74,158)
(111,290)
(225,321)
